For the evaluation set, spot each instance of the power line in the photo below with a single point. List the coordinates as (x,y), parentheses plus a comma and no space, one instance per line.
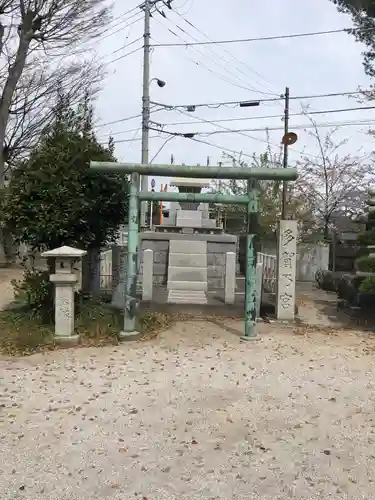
(230,54)
(208,143)
(214,72)
(135,135)
(245,134)
(127,118)
(237,103)
(134,139)
(161,148)
(129,11)
(229,70)
(120,23)
(122,27)
(222,148)
(201,141)
(264,38)
(222,120)
(189,8)
(226,120)
(117,121)
(182,6)
(338,110)
(123,47)
(241,153)
(124,55)
(232,151)
(128,131)
(189,135)
(217,146)
(296,127)
(226,62)
(264,129)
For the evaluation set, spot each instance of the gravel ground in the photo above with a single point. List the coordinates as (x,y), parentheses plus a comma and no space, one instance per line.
(192,415)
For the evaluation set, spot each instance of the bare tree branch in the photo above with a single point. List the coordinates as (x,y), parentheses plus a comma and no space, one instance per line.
(34,101)
(30,77)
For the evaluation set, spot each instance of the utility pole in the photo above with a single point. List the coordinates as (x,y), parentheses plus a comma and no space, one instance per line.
(147,6)
(286,144)
(145,105)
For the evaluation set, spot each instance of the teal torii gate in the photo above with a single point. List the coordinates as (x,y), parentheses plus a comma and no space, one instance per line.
(251,199)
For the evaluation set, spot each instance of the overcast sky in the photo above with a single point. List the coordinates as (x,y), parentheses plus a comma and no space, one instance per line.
(256,70)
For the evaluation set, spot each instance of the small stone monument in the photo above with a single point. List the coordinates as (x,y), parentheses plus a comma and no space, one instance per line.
(65,280)
(286,270)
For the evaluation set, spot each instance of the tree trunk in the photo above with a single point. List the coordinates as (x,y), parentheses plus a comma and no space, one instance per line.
(9,246)
(14,74)
(3,257)
(91,273)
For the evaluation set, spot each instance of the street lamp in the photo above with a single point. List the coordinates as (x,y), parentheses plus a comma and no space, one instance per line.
(161,83)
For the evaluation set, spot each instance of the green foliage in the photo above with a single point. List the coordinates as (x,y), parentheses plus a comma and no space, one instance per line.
(367,238)
(35,294)
(54,198)
(362,13)
(97,324)
(19,335)
(368,285)
(347,288)
(365,264)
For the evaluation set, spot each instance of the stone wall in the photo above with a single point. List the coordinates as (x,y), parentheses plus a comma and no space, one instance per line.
(160,249)
(216,255)
(216,259)
(310,258)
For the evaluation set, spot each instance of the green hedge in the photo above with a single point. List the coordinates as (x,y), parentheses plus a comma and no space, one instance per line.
(365,264)
(368,285)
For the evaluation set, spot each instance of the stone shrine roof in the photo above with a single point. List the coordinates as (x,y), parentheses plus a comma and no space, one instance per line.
(186,181)
(64,251)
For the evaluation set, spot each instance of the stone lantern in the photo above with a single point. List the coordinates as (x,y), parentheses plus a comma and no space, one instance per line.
(65,279)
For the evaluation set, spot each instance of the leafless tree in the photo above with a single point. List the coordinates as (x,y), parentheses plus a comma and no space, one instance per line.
(38,41)
(35,35)
(332,184)
(33,102)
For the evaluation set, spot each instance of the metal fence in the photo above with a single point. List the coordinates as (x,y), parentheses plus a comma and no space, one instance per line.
(106,270)
(269,271)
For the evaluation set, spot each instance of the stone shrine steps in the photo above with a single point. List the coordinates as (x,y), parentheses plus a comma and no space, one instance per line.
(187,272)
(186,297)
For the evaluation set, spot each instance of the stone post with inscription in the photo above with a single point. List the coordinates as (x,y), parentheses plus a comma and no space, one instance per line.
(286,270)
(65,280)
